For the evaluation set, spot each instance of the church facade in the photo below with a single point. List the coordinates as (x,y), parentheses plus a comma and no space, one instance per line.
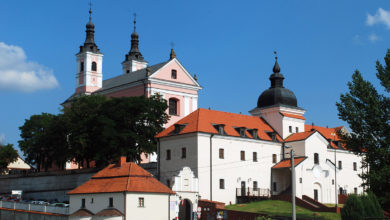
(237,156)
(169,79)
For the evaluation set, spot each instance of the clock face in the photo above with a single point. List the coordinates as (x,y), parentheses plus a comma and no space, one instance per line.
(317,171)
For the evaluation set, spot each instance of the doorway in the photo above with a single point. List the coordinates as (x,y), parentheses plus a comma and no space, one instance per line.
(243,188)
(185,210)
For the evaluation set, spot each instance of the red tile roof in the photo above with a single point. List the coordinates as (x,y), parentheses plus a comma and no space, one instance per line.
(82,213)
(299,136)
(110,212)
(286,163)
(328,133)
(202,120)
(292,115)
(126,178)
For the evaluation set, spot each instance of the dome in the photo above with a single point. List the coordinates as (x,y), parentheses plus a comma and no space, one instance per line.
(277,94)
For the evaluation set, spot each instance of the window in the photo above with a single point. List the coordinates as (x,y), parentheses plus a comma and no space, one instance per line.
(290,129)
(355,190)
(173,106)
(110,202)
(296,129)
(81,66)
(91,200)
(332,181)
(168,154)
(221,153)
(274,186)
(300,180)
(183,153)
(340,164)
(354,166)
(255,185)
(82,203)
(127,71)
(174,74)
(141,202)
(316,158)
(94,68)
(254,156)
(273,158)
(221,183)
(242,155)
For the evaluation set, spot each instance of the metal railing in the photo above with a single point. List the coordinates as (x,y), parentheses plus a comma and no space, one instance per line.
(253,192)
(34,207)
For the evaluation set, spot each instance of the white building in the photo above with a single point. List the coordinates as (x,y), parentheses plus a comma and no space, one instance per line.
(236,156)
(120,192)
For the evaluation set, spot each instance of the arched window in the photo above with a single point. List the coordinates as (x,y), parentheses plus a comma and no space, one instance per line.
(316,158)
(94,68)
(173,106)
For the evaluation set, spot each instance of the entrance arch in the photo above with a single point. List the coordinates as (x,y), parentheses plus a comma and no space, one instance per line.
(317,192)
(185,210)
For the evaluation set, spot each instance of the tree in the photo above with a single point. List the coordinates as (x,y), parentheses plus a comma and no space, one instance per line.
(353,208)
(368,114)
(7,155)
(44,140)
(103,129)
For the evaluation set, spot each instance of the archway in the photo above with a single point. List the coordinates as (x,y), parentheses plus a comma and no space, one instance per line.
(185,210)
(317,192)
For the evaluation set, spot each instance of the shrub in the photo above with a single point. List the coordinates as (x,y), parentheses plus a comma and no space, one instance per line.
(377,209)
(353,208)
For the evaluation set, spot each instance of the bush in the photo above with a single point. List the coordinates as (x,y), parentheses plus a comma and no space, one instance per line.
(353,208)
(360,207)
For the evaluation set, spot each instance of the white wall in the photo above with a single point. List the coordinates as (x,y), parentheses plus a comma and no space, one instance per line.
(100,202)
(156,206)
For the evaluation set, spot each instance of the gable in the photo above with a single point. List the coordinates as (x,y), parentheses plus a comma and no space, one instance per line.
(182,75)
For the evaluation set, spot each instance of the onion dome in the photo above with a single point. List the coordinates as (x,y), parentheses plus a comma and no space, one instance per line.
(277,95)
(89,44)
(134,53)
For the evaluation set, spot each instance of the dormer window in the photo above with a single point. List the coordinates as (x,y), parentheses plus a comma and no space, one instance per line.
(253,132)
(94,67)
(241,131)
(220,128)
(179,128)
(272,135)
(174,74)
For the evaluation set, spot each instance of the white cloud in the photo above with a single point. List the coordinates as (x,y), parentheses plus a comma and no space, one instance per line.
(16,73)
(373,38)
(2,138)
(381,16)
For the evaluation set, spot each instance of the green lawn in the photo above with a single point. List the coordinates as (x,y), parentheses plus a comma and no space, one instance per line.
(281,208)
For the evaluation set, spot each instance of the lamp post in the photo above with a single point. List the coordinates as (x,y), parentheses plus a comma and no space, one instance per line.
(335,170)
(292,183)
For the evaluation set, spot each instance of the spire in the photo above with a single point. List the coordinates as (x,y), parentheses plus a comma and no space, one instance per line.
(276,78)
(172,55)
(89,44)
(134,53)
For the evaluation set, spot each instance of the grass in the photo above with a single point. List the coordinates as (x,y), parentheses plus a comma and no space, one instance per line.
(282,208)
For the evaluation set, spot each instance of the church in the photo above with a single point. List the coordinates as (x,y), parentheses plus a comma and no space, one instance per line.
(224,156)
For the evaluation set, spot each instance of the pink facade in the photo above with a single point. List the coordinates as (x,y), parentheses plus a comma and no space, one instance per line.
(166,74)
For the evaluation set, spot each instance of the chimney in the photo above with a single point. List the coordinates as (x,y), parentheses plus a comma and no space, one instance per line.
(121,161)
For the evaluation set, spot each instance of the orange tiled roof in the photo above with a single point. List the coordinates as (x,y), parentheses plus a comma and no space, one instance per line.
(292,115)
(126,178)
(202,120)
(327,133)
(286,163)
(299,136)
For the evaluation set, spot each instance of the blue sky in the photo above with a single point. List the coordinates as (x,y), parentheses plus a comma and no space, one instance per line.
(229,45)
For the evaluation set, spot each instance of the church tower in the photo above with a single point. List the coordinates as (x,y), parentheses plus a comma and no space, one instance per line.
(89,61)
(134,60)
(279,106)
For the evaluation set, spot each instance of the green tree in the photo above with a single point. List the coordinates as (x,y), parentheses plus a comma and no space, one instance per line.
(353,208)
(7,155)
(368,114)
(44,140)
(103,129)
